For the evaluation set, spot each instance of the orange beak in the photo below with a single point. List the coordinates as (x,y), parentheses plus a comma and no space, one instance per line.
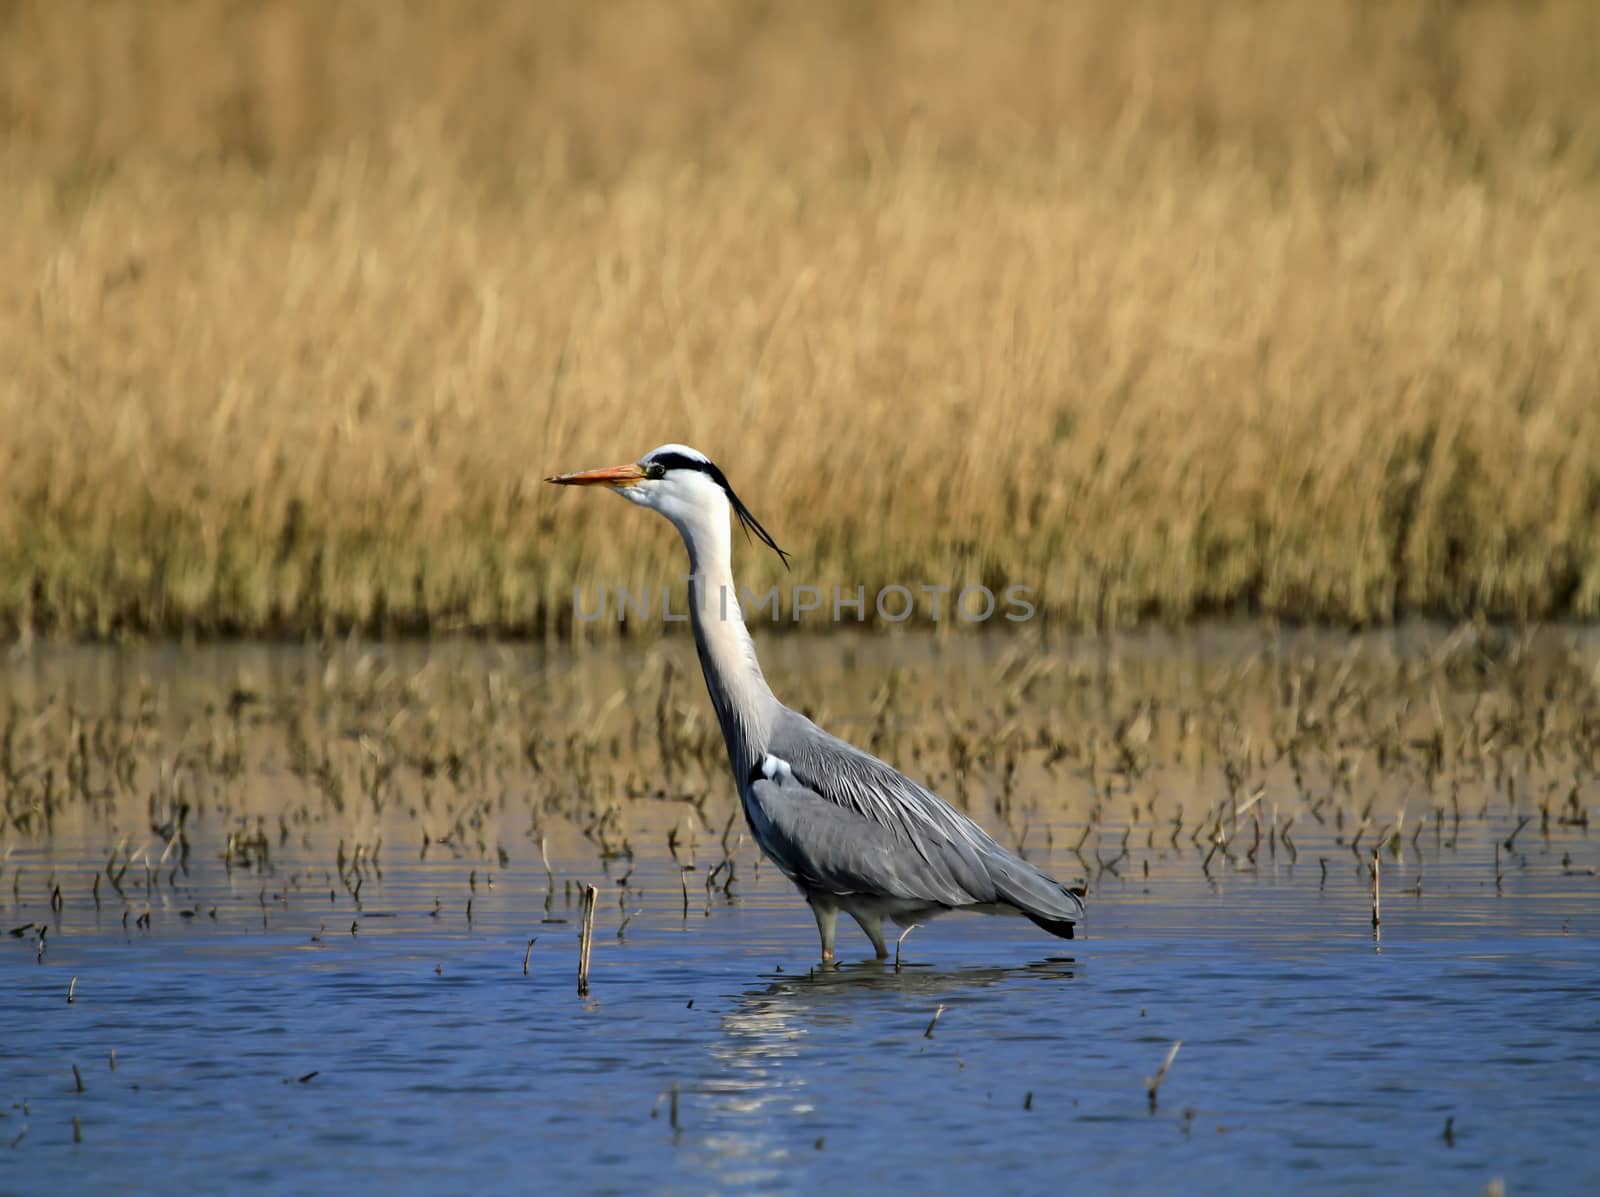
(616,477)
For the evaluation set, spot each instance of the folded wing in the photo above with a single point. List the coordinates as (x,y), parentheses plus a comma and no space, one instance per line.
(852,820)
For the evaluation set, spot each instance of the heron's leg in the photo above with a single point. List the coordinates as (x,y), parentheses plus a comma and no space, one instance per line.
(873,926)
(827,919)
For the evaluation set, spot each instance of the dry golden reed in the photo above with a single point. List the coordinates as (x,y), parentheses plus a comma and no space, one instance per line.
(1159,309)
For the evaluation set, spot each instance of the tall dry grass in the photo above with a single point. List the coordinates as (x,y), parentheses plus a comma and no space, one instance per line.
(1156,308)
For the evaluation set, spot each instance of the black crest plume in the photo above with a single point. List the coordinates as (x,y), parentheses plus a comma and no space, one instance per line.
(747,521)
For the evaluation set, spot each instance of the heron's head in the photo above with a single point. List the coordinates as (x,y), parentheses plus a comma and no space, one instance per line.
(681,483)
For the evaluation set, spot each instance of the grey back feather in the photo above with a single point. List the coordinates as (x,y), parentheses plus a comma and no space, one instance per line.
(898,836)
(829,849)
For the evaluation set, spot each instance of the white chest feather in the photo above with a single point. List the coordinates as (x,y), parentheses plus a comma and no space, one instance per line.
(776,769)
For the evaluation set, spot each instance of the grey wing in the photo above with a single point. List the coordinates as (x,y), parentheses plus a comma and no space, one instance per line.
(944,839)
(826,847)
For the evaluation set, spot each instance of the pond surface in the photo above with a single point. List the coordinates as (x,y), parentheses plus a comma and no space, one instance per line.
(350,1001)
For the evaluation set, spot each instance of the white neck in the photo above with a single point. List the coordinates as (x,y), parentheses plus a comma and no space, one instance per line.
(743,701)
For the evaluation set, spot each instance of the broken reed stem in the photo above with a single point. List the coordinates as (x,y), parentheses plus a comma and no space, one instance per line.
(1376,866)
(928,1034)
(900,941)
(1153,1084)
(528,954)
(591,895)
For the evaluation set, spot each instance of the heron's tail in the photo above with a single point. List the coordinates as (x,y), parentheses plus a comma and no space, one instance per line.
(1056,927)
(1042,899)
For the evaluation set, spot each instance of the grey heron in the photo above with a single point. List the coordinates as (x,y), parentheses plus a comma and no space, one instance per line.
(850,831)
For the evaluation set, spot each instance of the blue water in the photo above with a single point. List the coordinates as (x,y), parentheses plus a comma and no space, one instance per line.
(1312,1058)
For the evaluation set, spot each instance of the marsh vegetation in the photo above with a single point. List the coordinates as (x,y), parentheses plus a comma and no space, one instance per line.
(1156,309)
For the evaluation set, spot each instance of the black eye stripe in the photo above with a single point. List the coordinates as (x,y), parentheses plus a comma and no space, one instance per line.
(680,461)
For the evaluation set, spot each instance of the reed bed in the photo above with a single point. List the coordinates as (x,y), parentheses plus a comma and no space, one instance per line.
(1157,310)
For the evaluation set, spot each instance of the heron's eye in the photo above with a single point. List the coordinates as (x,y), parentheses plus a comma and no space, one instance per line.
(655,470)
